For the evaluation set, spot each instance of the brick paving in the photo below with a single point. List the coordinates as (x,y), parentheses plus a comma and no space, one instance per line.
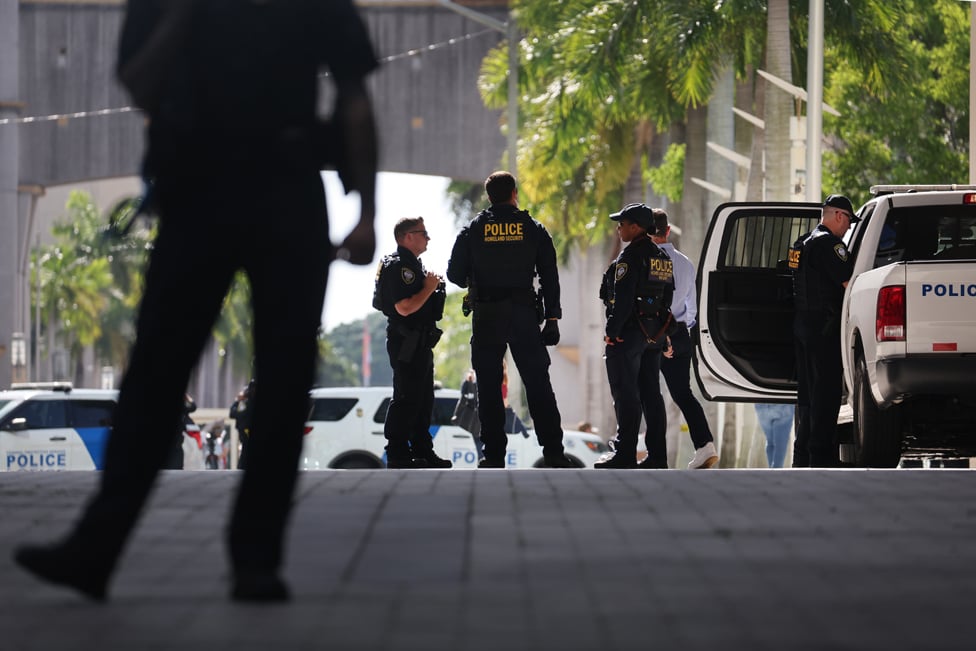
(520,560)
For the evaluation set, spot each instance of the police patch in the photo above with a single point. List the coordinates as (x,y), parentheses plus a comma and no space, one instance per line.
(621,271)
(407,275)
(841,252)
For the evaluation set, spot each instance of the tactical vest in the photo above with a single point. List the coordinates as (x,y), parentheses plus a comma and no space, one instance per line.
(504,248)
(431,312)
(655,287)
(606,288)
(378,293)
(807,294)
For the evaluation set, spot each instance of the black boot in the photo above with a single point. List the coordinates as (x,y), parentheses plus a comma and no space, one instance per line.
(62,565)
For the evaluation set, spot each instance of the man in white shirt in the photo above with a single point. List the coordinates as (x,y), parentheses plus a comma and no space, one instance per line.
(677,368)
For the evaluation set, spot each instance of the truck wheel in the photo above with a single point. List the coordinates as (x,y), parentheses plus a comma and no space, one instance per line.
(877,432)
(356,463)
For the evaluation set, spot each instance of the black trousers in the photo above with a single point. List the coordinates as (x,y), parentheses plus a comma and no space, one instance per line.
(497,326)
(819,390)
(677,375)
(407,427)
(275,228)
(633,370)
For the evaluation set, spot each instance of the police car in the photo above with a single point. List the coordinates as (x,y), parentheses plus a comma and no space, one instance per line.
(345,431)
(54,427)
(908,321)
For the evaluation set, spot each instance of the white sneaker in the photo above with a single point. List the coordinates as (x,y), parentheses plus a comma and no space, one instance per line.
(705,457)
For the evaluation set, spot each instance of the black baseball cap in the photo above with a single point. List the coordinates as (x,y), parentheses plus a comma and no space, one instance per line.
(841,202)
(637,213)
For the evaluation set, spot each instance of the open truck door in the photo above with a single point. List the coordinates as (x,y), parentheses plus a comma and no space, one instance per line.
(744,349)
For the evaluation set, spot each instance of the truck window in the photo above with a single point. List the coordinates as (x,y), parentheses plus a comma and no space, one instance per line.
(443,411)
(92,413)
(441,414)
(42,414)
(759,241)
(928,233)
(331,409)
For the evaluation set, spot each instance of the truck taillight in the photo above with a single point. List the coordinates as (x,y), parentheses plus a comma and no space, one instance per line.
(890,321)
(969,198)
(308,429)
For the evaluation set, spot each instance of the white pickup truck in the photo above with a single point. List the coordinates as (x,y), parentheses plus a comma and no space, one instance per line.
(908,323)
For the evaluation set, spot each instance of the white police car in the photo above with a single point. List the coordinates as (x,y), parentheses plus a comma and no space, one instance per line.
(345,430)
(54,427)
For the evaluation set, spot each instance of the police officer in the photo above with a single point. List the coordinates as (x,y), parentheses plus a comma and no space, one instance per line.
(497,256)
(637,291)
(235,146)
(821,267)
(412,299)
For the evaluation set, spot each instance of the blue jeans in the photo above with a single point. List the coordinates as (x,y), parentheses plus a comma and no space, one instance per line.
(776,421)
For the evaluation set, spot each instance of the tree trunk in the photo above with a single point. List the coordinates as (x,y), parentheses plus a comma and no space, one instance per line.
(778,103)
(693,219)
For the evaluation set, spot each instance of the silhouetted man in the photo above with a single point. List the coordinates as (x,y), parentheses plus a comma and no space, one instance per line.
(235,148)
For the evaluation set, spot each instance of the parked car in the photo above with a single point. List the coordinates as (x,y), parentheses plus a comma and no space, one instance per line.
(54,426)
(908,341)
(345,430)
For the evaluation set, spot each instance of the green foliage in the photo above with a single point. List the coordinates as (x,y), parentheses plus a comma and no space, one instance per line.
(465,198)
(333,369)
(83,276)
(917,131)
(343,349)
(233,327)
(594,74)
(667,179)
(452,356)
(91,285)
(347,344)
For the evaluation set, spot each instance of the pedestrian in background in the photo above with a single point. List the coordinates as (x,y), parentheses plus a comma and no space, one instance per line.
(821,267)
(241,414)
(677,368)
(412,299)
(235,148)
(497,256)
(776,421)
(466,411)
(636,292)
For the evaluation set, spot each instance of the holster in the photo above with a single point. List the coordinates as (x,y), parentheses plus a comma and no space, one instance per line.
(433,336)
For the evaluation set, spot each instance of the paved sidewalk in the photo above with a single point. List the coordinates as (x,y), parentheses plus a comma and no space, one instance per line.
(500,560)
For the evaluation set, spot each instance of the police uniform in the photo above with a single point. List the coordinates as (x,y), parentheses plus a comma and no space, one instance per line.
(637,291)
(409,342)
(498,256)
(228,181)
(821,265)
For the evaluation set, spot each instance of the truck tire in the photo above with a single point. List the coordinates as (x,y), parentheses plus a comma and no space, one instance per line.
(357,462)
(877,432)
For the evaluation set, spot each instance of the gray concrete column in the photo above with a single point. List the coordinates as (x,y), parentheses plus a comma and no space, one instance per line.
(10,107)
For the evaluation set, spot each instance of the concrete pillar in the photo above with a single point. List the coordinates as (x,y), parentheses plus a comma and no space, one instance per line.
(10,107)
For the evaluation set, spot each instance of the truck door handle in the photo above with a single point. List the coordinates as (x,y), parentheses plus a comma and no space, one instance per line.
(58,438)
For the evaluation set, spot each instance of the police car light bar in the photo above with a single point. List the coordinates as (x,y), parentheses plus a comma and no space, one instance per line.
(41,386)
(890,189)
